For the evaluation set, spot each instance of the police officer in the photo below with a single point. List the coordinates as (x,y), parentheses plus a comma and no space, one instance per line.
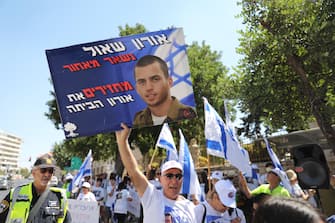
(153,84)
(36,202)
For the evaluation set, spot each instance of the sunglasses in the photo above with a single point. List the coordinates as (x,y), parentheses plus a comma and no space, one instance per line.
(49,170)
(170,176)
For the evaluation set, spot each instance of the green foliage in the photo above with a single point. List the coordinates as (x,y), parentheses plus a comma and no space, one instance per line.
(287,73)
(25,172)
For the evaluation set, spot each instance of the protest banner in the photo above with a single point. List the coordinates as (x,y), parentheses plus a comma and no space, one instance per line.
(83,211)
(95,85)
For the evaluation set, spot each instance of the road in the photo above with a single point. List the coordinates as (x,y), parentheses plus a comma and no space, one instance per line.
(15,183)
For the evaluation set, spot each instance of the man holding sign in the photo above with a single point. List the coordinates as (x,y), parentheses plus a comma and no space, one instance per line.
(153,84)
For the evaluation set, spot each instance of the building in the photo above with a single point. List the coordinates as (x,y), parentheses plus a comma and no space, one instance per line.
(10,146)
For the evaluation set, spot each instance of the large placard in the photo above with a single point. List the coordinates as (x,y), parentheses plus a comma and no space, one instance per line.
(95,85)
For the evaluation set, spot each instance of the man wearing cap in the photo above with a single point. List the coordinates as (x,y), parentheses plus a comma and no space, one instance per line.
(273,187)
(66,185)
(220,206)
(157,203)
(262,178)
(296,192)
(85,193)
(36,201)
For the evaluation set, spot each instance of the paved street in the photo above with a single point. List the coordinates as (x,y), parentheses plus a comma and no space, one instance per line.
(15,183)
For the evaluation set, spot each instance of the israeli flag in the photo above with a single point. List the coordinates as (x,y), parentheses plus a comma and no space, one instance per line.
(283,176)
(214,132)
(84,170)
(222,142)
(165,140)
(241,157)
(191,183)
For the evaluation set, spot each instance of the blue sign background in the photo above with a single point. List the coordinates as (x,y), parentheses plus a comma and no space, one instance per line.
(84,75)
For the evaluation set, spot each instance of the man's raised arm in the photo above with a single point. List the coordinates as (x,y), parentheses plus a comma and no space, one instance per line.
(129,161)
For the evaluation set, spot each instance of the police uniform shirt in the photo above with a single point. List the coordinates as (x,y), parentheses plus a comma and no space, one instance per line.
(41,216)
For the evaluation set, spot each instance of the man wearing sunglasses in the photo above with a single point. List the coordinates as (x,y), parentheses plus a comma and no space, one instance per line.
(36,201)
(273,187)
(157,203)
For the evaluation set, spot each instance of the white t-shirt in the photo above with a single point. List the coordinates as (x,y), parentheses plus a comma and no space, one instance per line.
(214,216)
(157,120)
(86,197)
(99,193)
(156,205)
(111,199)
(121,201)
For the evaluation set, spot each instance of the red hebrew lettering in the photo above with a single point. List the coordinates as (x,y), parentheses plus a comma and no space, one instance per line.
(89,92)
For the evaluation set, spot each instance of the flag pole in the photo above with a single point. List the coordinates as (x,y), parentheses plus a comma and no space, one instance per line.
(153,156)
(209,172)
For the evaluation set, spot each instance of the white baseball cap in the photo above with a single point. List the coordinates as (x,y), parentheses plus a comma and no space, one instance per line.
(226,192)
(217,175)
(170,165)
(68,176)
(86,184)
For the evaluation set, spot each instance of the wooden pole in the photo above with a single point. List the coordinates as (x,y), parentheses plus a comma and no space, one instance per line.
(209,172)
(153,156)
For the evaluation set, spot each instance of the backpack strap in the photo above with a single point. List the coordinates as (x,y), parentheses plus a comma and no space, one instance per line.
(37,206)
(204,216)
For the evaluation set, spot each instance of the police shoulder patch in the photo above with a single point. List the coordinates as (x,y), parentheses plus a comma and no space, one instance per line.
(3,206)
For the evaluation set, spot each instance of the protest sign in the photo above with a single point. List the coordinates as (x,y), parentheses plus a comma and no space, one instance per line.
(83,211)
(95,85)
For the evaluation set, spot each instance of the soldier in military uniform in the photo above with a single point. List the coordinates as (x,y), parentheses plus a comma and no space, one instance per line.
(36,201)
(153,84)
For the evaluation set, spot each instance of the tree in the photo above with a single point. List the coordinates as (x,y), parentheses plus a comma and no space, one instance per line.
(287,73)
(210,80)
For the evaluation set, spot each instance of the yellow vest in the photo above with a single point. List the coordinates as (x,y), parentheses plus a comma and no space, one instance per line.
(19,211)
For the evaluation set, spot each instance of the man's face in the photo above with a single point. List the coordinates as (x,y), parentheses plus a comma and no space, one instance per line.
(42,176)
(272,178)
(217,204)
(171,181)
(152,85)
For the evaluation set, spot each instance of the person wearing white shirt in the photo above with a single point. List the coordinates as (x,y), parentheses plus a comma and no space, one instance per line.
(157,203)
(220,207)
(122,196)
(85,193)
(111,189)
(99,193)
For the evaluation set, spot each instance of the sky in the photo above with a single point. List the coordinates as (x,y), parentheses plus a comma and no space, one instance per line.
(28,28)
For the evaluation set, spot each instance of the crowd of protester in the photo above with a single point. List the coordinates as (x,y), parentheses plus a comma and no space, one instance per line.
(225,198)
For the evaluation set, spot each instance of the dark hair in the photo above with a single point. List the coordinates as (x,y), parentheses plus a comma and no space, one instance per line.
(152,174)
(269,164)
(260,198)
(121,186)
(282,209)
(112,175)
(150,59)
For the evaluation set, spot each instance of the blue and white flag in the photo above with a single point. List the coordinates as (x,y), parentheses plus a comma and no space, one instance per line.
(284,179)
(214,132)
(236,158)
(84,170)
(165,140)
(221,141)
(191,185)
